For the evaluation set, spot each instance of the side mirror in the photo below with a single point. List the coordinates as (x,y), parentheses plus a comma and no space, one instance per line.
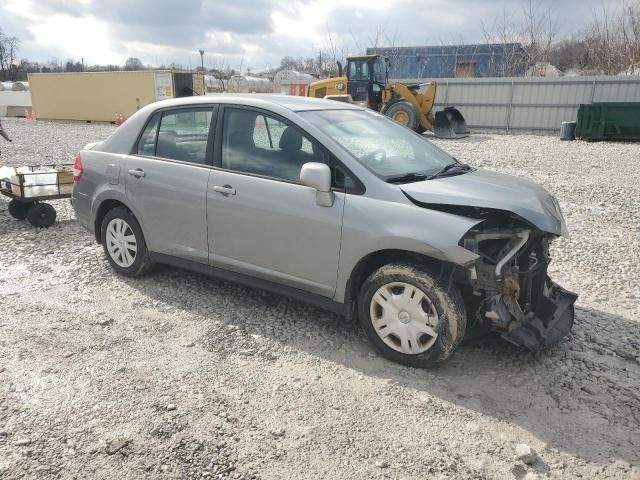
(318,175)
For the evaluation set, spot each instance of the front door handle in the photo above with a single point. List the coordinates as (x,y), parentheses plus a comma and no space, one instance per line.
(225,189)
(138,173)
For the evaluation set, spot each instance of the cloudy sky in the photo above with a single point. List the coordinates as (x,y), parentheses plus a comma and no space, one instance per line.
(256,33)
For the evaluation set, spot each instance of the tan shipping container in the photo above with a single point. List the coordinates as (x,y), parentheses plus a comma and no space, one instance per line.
(101,96)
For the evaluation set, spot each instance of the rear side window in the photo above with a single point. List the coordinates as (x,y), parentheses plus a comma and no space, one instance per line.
(147,142)
(183,134)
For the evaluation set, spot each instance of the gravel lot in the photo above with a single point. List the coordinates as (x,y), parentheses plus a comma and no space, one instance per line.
(176,375)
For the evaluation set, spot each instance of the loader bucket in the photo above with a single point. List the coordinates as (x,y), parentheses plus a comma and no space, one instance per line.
(449,123)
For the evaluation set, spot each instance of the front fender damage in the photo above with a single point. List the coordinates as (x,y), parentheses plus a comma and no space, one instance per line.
(519,300)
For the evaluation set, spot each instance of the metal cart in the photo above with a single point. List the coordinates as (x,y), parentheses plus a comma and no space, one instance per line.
(28,192)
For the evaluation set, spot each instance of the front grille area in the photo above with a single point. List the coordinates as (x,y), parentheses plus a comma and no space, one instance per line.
(533,262)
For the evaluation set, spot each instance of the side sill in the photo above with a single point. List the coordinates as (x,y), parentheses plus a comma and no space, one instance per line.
(253,282)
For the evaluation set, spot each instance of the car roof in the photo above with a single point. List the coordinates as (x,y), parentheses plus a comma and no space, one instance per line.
(290,102)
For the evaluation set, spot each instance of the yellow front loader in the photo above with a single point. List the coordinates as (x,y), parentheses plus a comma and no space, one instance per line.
(365,82)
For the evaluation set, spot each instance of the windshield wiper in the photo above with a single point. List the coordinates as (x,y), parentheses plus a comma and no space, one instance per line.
(407,177)
(451,169)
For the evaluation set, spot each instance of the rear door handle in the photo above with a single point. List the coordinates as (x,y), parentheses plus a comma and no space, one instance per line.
(225,189)
(138,172)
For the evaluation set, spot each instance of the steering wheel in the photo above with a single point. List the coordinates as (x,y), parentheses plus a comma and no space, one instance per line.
(379,155)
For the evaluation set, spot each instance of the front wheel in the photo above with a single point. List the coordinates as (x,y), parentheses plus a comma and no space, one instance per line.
(403,113)
(410,316)
(123,243)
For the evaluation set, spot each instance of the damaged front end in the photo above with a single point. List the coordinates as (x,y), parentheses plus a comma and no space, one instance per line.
(517,219)
(519,300)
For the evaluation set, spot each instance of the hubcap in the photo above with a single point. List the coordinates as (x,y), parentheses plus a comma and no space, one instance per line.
(404,317)
(121,243)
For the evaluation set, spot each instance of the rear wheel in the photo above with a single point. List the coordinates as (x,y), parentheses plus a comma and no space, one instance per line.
(404,113)
(410,316)
(41,215)
(19,209)
(124,244)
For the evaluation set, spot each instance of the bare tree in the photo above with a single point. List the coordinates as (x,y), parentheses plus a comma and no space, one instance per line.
(331,52)
(504,32)
(133,63)
(220,69)
(570,54)
(394,52)
(8,56)
(613,39)
(630,32)
(380,37)
(539,30)
(525,39)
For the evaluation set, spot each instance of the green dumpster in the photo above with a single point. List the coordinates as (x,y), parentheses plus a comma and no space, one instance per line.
(609,121)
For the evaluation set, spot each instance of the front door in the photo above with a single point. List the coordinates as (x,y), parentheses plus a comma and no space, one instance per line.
(166,182)
(262,221)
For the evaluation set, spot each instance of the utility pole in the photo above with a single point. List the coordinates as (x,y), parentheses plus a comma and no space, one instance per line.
(320,65)
(201,59)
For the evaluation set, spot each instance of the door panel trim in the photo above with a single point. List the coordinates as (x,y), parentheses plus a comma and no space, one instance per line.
(253,282)
(240,267)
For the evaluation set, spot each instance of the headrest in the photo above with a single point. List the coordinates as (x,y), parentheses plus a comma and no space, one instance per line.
(291,140)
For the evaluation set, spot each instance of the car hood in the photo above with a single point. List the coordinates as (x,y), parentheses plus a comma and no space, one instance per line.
(485,189)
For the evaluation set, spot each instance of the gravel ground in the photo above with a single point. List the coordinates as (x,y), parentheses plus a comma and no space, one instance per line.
(176,375)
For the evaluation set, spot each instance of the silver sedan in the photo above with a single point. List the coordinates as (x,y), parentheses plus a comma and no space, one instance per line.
(334,205)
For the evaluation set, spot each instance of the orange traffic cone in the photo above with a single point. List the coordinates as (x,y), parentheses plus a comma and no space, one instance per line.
(27,115)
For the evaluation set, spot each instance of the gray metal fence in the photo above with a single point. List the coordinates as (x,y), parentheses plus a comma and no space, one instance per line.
(530,104)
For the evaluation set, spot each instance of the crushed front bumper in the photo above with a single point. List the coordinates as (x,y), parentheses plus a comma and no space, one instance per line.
(549,323)
(520,302)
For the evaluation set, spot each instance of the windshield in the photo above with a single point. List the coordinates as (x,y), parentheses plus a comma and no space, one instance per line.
(380,144)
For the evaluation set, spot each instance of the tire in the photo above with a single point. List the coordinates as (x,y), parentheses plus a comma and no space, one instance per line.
(41,215)
(404,113)
(441,312)
(19,209)
(119,228)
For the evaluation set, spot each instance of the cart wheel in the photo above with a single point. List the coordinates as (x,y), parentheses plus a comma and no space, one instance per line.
(42,215)
(19,209)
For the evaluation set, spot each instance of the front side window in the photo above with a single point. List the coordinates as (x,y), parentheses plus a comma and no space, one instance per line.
(184,133)
(380,144)
(267,133)
(263,145)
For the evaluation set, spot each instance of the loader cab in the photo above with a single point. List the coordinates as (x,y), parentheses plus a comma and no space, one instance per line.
(367,76)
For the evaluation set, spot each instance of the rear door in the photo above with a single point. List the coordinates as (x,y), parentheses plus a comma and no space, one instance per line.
(262,220)
(166,181)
